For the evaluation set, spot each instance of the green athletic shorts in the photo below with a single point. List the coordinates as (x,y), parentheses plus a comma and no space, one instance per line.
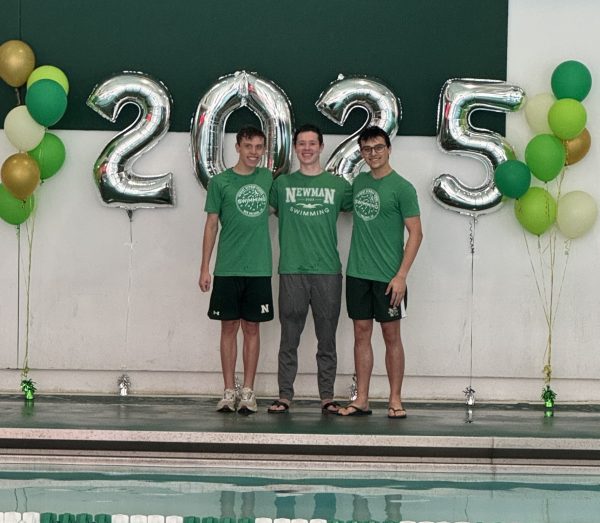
(366,299)
(241,297)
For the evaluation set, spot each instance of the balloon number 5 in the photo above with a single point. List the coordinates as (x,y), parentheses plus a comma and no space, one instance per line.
(345,94)
(118,184)
(456,135)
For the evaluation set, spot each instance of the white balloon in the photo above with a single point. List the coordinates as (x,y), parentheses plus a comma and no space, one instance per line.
(577,213)
(536,112)
(22,130)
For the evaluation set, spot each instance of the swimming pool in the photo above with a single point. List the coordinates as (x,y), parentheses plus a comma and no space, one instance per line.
(341,496)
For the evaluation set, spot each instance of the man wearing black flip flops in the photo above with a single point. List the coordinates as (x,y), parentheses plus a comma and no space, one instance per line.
(384,205)
(308,202)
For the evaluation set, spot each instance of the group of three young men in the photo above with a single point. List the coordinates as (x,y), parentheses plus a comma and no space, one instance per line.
(307,203)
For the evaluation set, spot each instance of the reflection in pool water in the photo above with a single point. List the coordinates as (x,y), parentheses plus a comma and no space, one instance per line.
(369,496)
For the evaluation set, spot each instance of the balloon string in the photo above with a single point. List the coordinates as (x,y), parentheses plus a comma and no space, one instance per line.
(30,235)
(472,304)
(129,279)
(18,295)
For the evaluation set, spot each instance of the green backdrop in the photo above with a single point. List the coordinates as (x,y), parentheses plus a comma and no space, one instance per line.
(412,45)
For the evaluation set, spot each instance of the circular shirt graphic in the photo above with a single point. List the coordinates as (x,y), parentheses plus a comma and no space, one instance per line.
(251,200)
(366,204)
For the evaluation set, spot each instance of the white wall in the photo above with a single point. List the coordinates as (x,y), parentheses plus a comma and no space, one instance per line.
(101,306)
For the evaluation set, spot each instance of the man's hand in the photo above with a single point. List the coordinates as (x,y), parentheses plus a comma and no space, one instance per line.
(396,288)
(204,281)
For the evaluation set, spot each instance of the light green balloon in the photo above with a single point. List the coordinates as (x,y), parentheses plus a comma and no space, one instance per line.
(536,210)
(13,210)
(567,118)
(577,213)
(49,72)
(49,154)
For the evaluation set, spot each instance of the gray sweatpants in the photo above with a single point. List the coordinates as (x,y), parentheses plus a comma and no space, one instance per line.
(323,292)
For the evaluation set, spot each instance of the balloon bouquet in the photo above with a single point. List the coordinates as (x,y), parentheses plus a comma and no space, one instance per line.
(562,140)
(40,153)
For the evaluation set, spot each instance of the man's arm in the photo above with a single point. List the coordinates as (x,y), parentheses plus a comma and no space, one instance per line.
(211,228)
(397,285)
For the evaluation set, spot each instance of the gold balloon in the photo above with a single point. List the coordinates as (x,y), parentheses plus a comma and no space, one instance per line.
(578,147)
(16,62)
(20,175)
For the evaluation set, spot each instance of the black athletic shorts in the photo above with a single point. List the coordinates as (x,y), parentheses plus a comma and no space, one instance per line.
(366,299)
(246,297)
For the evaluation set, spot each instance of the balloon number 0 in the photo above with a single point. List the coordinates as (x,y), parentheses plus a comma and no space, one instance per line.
(456,135)
(119,186)
(241,89)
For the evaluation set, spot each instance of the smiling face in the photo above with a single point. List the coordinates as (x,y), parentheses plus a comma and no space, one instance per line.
(250,152)
(308,149)
(376,153)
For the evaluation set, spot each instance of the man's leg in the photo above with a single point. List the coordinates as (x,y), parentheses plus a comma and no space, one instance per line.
(293,309)
(394,363)
(325,301)
(229,330)
(251,351)
(363,364)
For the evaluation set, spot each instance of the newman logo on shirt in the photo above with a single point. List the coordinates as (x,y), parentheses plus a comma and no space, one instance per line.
(310,201)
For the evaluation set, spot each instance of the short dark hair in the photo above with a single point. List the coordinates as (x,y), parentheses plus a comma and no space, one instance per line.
(248,133)
(373,132)
(308,128)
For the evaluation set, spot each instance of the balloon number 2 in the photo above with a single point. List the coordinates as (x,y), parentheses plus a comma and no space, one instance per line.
(118,184)
(341,97)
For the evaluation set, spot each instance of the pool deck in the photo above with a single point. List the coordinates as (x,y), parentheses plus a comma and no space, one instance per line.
(186,431)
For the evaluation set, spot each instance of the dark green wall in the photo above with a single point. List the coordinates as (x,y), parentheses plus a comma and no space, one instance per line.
(413,45)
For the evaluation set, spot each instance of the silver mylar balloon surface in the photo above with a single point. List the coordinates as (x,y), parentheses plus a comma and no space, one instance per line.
(241,89)
(346,93)
(119,185)
(455,135)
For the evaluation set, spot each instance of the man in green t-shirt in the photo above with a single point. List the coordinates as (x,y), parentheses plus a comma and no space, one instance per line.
(384,205)
(308,202)
(241,294)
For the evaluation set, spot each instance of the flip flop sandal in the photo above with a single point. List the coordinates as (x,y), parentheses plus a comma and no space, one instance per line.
(278,403)
(356,412)
(398,413)
(326,407)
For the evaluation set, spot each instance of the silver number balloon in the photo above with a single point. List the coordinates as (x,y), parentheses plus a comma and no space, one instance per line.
(241,89)
(342,96)
(455,135)
(118,184)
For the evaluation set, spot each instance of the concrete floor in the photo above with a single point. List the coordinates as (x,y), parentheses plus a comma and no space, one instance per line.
(188,428)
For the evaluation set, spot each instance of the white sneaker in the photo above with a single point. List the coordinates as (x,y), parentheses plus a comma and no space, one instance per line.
(228,403)
(247,403)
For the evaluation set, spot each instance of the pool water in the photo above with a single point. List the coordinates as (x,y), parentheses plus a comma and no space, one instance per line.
(370,496)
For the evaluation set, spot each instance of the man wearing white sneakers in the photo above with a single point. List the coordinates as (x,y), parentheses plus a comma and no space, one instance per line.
(241,294)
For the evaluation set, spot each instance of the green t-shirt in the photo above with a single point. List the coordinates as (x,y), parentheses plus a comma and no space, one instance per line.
(241,201)
(380,207)
(308,207)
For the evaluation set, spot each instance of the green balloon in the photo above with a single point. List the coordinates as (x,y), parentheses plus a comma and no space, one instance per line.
(46,101)
(545,155)
(48,72)
(567,118)
(49,155)
(571,79)
(13,210)
(536,210)
(512,178)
